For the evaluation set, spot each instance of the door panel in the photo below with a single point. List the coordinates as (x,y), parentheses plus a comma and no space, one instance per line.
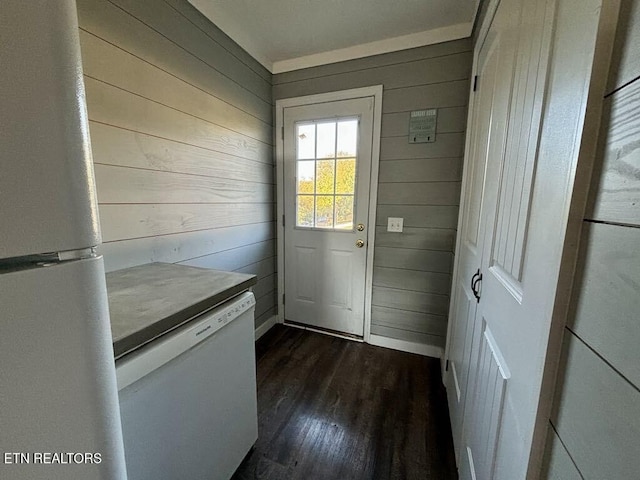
(521,146)
(490,115)
(305,284)
(487,65)
(467,467)
(327,167)
(486,404)
(459,357)
(339,288)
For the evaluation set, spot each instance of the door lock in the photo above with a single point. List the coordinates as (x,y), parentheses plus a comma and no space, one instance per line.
(360,227)
(359,243)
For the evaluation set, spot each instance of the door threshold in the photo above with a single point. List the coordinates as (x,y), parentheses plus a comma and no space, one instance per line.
(326,331)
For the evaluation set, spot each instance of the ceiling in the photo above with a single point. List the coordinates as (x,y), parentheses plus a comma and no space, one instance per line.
(286,35)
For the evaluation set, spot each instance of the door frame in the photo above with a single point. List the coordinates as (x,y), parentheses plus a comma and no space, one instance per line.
(372,91)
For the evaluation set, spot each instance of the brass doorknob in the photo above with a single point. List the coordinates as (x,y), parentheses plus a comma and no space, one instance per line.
(359,243)
(360,227)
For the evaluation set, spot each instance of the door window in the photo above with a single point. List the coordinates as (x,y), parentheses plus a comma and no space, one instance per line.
(326,159)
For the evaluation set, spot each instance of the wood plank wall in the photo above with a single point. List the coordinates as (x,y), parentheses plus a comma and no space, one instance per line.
(419,182)
(595,426)
(182,138)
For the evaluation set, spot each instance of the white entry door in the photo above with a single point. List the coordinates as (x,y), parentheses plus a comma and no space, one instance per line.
(327,168)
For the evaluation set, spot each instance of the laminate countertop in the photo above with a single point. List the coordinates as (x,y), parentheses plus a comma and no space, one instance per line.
(149,300)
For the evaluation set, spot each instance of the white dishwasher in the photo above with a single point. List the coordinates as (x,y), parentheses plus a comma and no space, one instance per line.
(188,399)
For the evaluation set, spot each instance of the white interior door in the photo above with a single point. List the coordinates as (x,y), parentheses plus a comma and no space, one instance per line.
(494,66)
(498,200)
(526,220)
(327,168)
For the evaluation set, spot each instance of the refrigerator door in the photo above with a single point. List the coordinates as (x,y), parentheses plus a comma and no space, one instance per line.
(47,191)
(58,390)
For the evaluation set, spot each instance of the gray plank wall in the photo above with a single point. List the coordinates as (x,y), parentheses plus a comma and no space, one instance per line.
(182,137)
(419,182)
(595,426)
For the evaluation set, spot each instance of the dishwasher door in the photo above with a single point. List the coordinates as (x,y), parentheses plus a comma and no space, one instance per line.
(194,416)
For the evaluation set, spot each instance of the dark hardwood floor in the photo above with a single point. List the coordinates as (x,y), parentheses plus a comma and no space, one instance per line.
(330,409)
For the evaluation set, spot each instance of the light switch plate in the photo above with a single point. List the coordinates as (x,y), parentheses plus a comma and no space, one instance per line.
(394,224)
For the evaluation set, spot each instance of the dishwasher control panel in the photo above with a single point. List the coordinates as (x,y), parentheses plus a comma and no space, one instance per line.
(211,322)
(160,351)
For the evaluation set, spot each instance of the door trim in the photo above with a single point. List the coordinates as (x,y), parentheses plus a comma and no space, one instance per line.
(376,93)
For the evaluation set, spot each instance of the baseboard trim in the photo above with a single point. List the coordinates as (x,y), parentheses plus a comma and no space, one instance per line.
(404,346)
(266,326)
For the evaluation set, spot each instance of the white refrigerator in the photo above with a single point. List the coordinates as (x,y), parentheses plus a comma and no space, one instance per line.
(59,414)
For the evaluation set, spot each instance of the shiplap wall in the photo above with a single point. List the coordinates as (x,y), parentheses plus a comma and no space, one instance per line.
(419,182)
(182,138)
(595,425)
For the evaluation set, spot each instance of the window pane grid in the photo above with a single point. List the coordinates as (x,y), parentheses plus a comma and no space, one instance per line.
(325,173)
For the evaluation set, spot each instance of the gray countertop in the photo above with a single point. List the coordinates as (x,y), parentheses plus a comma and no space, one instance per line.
(149,300)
